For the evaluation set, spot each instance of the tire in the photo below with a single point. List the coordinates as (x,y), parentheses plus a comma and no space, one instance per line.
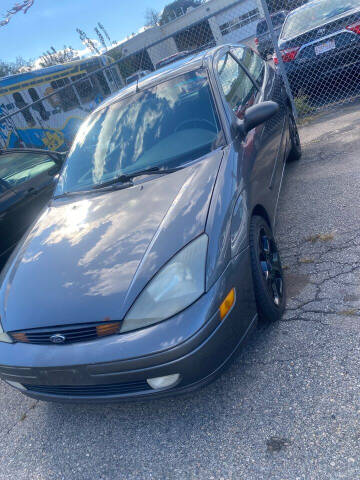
(295,152)
(267,272)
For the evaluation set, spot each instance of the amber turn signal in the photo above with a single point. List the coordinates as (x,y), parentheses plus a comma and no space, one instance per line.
(20,337)
(227,304)
(107,329)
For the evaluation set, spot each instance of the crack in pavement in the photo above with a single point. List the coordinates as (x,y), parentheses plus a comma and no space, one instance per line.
(22,418)
(309,255)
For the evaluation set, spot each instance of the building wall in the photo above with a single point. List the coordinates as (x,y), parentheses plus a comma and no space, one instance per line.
(159,40)
(164,49)
(239,22)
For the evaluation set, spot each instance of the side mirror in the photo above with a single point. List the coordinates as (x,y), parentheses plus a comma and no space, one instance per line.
(255,116)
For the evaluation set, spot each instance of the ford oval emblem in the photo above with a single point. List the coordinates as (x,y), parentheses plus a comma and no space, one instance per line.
(57,338)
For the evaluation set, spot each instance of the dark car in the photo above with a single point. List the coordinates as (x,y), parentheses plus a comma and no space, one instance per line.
(26,185)
(157,255)
(172,58)
(320,43)
(263,40)
(136,76)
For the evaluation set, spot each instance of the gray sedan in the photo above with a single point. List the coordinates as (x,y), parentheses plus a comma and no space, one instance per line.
(156,256)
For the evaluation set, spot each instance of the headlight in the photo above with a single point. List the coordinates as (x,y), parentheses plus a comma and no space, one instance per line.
(4,337)
(176,286)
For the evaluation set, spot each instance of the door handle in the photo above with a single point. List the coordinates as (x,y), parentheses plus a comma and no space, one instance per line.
(32,191)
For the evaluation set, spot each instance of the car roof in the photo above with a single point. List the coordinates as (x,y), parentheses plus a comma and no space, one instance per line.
(192,62)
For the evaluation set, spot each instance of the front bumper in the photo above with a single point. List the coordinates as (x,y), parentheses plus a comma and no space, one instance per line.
(195,344)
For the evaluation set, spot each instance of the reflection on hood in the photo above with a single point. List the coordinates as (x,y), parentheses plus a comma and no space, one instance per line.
(87,259)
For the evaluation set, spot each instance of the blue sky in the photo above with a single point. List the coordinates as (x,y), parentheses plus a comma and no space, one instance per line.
(53,22)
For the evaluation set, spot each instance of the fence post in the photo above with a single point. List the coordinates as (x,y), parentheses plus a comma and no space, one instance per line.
(279,56)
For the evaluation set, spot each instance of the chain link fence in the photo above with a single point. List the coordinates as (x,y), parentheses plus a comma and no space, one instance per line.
(44,109)
(314,45)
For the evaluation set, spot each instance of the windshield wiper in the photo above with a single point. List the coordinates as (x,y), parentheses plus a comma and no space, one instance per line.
(120,182)
(78,193)
(127,178)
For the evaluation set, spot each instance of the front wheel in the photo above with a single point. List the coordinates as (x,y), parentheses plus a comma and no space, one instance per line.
(295,152)
(267,272)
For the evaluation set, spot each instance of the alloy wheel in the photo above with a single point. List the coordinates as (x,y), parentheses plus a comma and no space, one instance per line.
(271,267)
(294,133)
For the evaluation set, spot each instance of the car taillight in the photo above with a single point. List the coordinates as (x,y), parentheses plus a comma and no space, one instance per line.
(354,27)
(288,55)
(256,41)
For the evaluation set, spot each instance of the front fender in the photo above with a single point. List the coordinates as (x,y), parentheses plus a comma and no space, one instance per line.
(227,220)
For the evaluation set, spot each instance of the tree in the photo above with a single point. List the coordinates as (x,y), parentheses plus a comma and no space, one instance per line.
(11,68)
(87,42)
(22,65)
(100,37)
(5,69)
(152,17)
(105,32)
(18,7)
(176,9)
(54,57)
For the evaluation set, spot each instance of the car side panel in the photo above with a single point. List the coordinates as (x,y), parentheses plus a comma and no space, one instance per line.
(264,152)
(8,202)
(31,198)
(250,174)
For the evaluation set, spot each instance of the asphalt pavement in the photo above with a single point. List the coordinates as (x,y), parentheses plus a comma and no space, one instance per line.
(288,407)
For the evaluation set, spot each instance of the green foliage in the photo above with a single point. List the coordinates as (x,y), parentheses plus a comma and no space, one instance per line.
(303,106)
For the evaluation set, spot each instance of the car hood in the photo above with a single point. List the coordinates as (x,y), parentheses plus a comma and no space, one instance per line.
(86,260)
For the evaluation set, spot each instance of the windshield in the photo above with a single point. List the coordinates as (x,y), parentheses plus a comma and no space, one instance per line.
(164,126)
(314,14)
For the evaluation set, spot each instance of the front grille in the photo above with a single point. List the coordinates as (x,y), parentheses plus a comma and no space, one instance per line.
(66,335)
(91,390)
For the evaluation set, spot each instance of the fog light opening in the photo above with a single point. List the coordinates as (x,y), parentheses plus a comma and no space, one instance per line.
(16,385)
(227,304)
(163,382)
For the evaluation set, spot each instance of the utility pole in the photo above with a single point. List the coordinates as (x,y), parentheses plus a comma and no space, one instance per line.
(281,65)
